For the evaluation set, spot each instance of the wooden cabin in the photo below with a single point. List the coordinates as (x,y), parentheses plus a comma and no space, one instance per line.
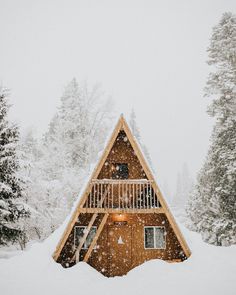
(122,219)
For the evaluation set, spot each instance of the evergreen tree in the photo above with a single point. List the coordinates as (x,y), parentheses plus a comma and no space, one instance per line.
(75,137)
(78,129)
(55,167)
(178,192)
(133,125)
(33,175)
(184,186)
(135,130)
(166,190)
(12,209)
(212,206)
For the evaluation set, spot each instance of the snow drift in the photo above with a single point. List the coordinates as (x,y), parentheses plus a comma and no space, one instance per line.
(210,270)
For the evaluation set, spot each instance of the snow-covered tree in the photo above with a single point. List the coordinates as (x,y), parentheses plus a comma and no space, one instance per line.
(184,186)
(79,127)
(212,206)
(12,209)
(135,130)
(55,167)
(31,172)
(133,125)
(178,192)
(73,141)
(165,189)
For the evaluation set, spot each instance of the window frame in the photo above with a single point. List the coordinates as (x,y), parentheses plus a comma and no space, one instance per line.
(120,163)
(82,226)
(154,236)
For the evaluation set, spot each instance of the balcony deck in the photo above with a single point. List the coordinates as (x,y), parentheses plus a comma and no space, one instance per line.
(121,196)
(120,211)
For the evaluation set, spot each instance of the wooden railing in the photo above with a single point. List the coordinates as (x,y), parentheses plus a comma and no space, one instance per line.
(122,194)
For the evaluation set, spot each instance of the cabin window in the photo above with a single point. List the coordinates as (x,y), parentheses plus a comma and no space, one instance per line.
(79,232)
(120,171)
(154,237)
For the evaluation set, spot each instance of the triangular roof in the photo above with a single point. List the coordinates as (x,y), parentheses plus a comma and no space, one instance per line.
(122,126)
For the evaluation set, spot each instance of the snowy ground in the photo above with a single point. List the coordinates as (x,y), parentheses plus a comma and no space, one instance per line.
(210,270)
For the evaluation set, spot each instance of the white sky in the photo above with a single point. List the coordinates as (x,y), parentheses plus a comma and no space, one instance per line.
(149,55)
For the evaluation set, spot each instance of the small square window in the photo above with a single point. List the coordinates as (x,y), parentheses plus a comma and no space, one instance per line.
(154,237)
(120,171)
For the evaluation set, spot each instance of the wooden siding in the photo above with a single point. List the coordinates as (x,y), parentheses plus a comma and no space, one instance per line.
(122,152)
(130,222)
(106,257)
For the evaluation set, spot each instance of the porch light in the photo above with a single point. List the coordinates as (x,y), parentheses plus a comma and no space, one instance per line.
(119,217)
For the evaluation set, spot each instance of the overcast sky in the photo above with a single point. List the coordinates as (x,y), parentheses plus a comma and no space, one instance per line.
(149,55)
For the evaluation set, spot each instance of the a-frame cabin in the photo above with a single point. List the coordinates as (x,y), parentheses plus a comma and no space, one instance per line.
(122,219)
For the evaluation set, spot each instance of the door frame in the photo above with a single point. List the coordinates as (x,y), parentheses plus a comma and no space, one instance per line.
(130,226)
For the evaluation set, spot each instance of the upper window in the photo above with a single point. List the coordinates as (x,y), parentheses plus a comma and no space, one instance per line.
(154,237)
(79,232)
(120,171)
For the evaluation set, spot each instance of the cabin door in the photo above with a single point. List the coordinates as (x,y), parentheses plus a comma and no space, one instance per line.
(119,245)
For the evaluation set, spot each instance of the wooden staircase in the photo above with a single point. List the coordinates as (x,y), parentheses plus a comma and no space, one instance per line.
(76,256)
(92,245)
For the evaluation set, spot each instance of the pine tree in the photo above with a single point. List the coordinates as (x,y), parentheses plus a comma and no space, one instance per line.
(75,137)
(178,192)
(32,174)
(184,187)
(12,209)
(133,125)
(136,133)
(74,116)
(166,190)
(212,206)
(78,129)
(55,166)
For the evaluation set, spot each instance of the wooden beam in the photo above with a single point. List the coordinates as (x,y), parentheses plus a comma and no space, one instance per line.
(92,245)
(88,228)
(69,227)
(65,235)
(122,181)
(123,210)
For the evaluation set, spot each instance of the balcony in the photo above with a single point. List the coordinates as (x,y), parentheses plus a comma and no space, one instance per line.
(123,195)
